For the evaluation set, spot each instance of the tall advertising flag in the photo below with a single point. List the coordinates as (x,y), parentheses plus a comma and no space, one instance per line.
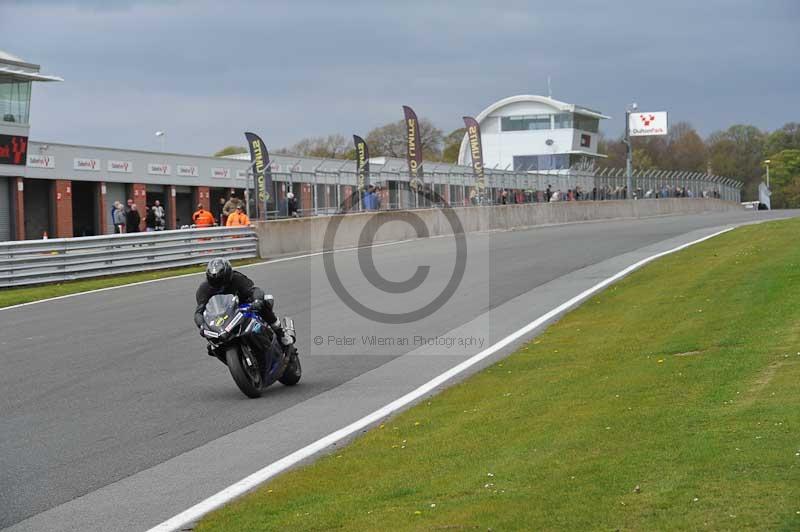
(261,172)
(414,147)
(476,151)
(362,163)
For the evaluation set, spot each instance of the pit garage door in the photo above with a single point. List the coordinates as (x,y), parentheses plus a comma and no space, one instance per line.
(5,210)
(38,208)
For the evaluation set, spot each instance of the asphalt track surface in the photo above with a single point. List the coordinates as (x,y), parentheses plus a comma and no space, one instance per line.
(112,417)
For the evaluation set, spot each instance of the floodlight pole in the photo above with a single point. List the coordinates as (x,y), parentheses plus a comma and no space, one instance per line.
(628,151)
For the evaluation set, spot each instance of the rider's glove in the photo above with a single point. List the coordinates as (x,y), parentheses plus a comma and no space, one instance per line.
(258,305)
(287,340)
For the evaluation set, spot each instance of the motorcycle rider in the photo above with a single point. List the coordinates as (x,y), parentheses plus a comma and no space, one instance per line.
(222,279)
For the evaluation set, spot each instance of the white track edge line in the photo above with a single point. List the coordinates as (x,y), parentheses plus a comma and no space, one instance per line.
(248,483)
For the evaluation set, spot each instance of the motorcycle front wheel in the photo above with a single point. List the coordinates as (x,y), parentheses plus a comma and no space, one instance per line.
(244,369)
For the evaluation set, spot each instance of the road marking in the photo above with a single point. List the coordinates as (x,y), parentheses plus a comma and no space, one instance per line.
(248,483)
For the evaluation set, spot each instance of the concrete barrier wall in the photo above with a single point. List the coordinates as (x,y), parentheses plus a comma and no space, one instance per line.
(305,235)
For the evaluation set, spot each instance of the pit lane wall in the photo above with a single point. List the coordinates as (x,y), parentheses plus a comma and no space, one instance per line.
(307,235)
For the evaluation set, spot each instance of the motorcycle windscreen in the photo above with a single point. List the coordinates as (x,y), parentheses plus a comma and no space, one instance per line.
(220,309)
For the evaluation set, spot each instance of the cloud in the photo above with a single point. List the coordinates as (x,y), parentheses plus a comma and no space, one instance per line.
(206,71)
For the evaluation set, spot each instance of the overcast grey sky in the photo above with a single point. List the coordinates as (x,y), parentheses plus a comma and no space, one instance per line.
(205,71)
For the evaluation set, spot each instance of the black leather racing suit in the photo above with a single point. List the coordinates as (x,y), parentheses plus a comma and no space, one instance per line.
(240,285)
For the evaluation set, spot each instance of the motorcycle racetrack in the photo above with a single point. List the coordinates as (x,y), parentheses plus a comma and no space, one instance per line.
(114,418)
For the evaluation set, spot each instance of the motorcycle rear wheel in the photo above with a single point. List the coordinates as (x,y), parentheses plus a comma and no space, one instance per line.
(293,372)
(247,377)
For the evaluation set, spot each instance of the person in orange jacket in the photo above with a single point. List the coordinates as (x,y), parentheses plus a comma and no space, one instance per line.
(238,218)
(202,218)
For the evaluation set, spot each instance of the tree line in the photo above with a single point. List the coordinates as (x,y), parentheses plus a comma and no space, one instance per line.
(738,152)
(388,140)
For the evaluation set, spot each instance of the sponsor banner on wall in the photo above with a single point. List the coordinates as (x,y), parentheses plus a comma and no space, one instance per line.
(414,153)
(124,167)
(220,173)
(476,151)
(646,124)
(362,163)
(92,165)
(41,161)
(259,157)
(185,170)
(13,150)
(158,169)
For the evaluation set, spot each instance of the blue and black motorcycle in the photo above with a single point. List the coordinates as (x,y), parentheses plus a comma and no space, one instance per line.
(239,338)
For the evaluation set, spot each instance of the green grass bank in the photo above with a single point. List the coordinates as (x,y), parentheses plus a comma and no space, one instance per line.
(668,402)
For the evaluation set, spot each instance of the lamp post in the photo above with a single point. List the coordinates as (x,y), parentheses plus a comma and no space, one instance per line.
(767,165)
(163,136)
(629,150)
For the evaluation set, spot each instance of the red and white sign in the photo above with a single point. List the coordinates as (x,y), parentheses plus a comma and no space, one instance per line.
(646,124)
(158,169)
(185,170)
(92,165)
(125,167)
(221,173)
(41,161)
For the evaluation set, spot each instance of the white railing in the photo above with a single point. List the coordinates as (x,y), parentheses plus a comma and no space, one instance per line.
(64,259)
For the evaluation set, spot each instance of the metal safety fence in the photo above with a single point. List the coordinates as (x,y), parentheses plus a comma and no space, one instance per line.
(330,192)
(45,261)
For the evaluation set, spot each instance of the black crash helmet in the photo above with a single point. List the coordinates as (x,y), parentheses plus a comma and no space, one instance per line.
(219,272)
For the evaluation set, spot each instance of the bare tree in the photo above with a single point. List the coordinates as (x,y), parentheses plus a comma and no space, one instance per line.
(390,140)
(331,147)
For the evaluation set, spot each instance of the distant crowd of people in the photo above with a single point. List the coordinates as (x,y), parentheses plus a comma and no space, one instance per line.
(549,195)
(372,198)
(127,218)
(231,211)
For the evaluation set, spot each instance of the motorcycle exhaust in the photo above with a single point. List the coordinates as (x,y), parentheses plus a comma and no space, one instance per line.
(288,326)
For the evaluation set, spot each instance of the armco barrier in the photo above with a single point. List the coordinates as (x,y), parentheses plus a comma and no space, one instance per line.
(63,259)
(304,235)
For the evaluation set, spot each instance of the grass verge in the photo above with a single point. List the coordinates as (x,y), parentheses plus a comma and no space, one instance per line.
(17,296)
(668,402)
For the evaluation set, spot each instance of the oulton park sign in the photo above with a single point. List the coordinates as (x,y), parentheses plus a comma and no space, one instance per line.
(647,124)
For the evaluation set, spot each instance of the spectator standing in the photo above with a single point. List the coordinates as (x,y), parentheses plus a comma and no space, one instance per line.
(231,205)
(291,205)
(370,203)
(220,211)
(202,218)
(132,219)
(238,218)
(119,218)
(114,207)
(160,215)
(150,219)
